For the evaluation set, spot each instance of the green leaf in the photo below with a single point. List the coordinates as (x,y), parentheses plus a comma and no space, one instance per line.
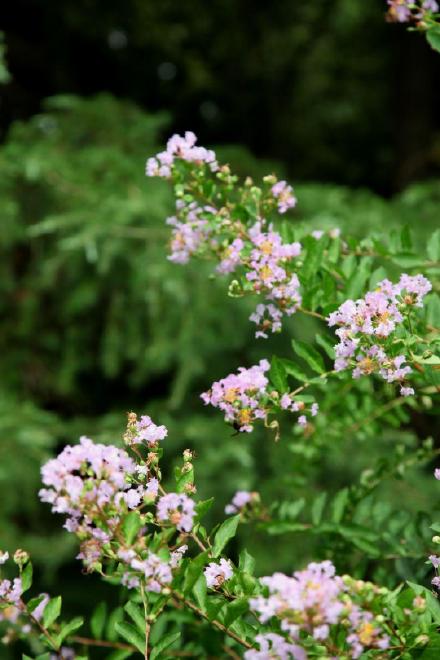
(200,592)
(194,570)
(131,526)
(225,533)
(433,37)
(327,344)
(69,628)
(52,611)
(339,503)
(318,508)
(115,617)
(246,562)
(26,577)
(136,614)
(234,610)
(310,355)
(119,654)
(97,620)
(356,283)
(203,507)
(131,635)
(277,374)
(34,602)
(314,251)
(165,642)
(433,246)
(293,370)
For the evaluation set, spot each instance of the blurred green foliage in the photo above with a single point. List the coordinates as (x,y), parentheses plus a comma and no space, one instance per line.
(96,321)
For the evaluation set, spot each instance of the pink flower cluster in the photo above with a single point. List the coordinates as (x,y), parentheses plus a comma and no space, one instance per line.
(155,572)
(283,193)
(10,592)
(241,396)
(287,403)
(218,573)
(275,647)
(265,257)
(241,499)
(93,485)
(191,234)
(263,254)
(178,509)
(268,275)
(313,600)
(148,432)
(180,148)
(405,11)
(365,324)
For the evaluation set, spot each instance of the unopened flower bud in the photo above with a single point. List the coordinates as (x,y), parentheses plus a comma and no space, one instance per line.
(187,455)
(21,557)
(422,640)
(419,603)
(436,539)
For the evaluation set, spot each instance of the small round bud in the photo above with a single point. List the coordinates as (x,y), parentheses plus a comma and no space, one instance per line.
(419,603)
(187,455)
(21,557)
(436,539)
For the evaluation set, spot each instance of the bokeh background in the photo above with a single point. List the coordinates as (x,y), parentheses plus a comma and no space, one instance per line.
(94,320)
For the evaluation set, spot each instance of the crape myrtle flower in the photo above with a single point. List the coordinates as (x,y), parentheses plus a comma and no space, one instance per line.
(365,325)
(399,10)
(191,234)
(315,599)
(148,432)
(10,592)
(275,647)
(240,501)
(94,486)
(244,398)
(218,573)
(202,228)
(180,148)
(268,275)
(437,473)
(241,396)
(178,509)
(283,193)
(297,406)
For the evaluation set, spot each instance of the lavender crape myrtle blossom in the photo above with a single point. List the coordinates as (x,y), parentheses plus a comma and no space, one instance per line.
(218,573)
(406,11)
(275,647)
(183,148)
(242,396)
(205,228)
(283,193)
(245,397)
(367,326)
(316,600)
(178,509)
(96,486)
(241,499)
